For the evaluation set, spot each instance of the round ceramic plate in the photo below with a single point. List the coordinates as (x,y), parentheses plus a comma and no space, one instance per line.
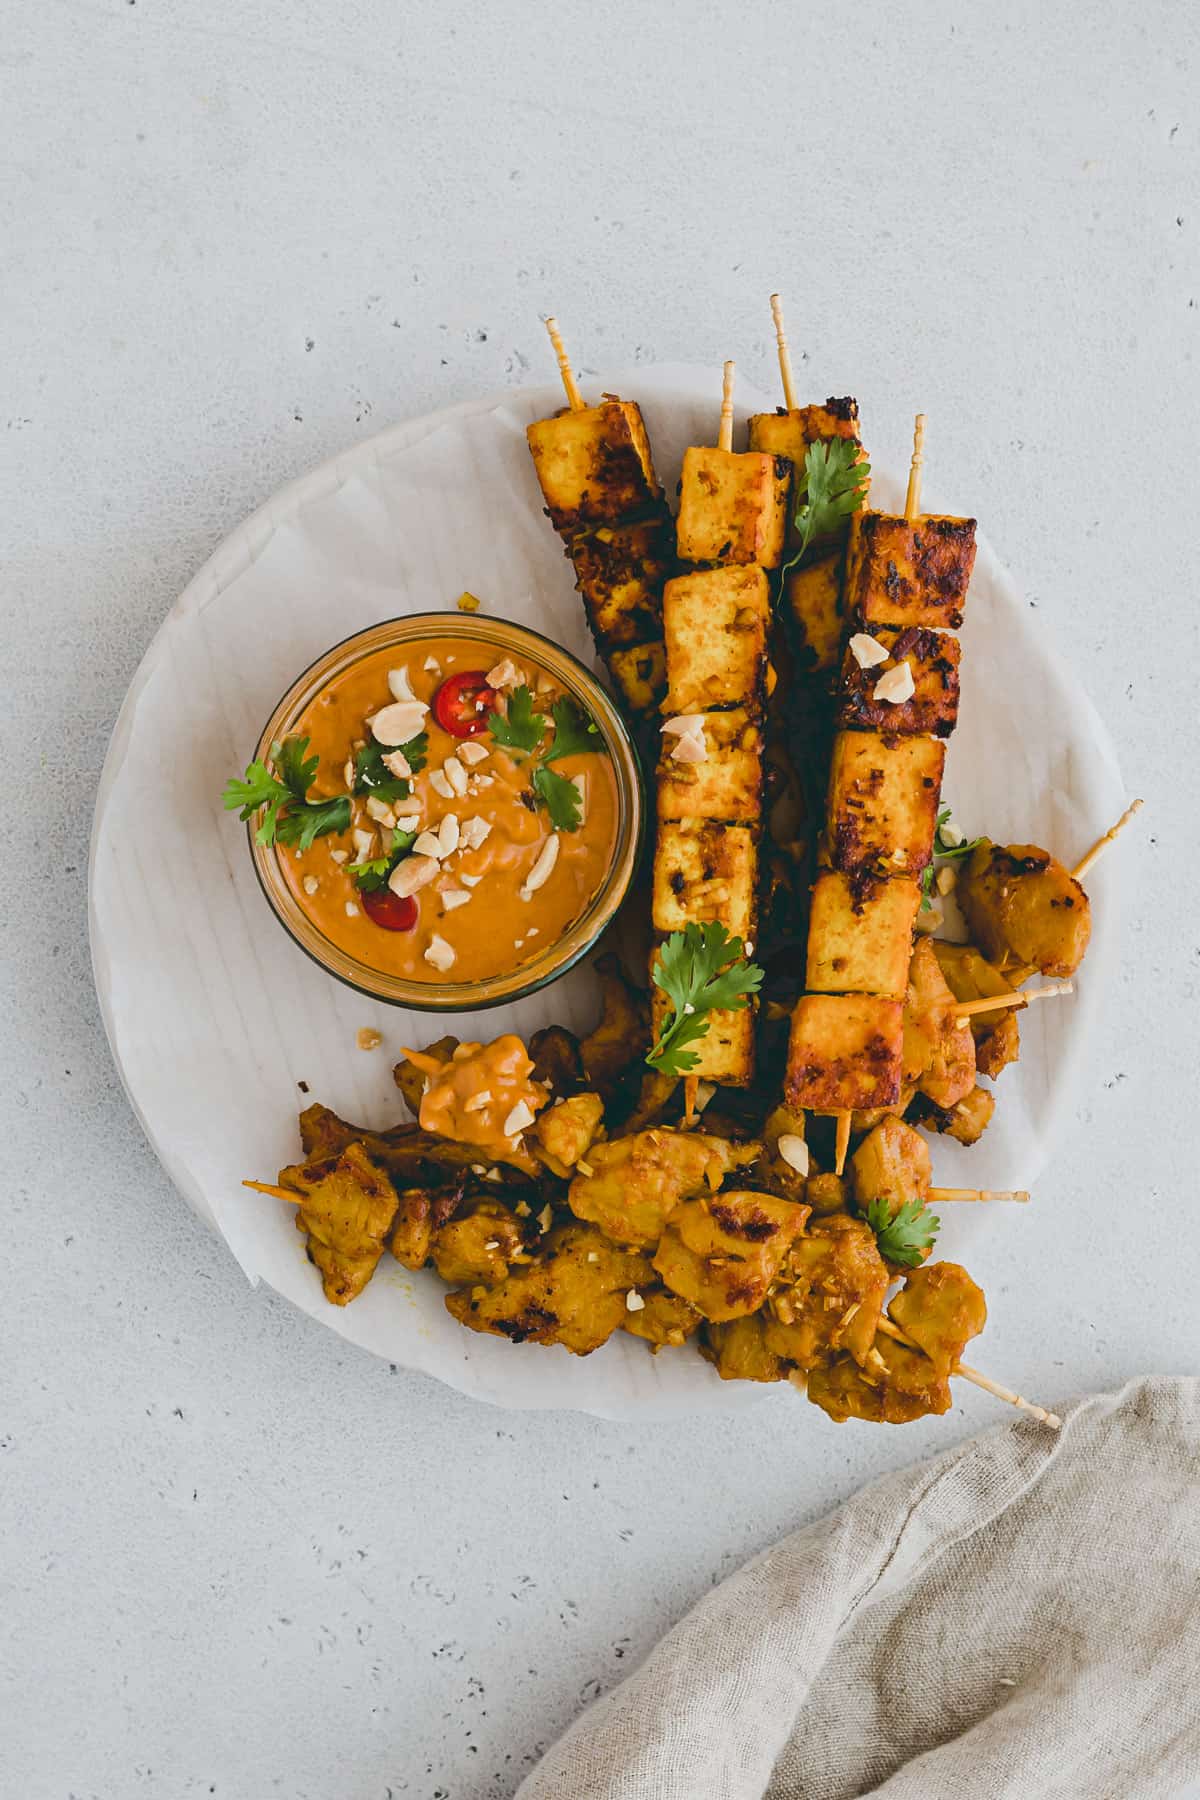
(222,1029)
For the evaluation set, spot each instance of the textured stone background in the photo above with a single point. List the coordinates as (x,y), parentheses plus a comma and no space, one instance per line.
(241,1559)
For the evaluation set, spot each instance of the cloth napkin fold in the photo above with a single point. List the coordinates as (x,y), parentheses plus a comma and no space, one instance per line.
(1017,1620)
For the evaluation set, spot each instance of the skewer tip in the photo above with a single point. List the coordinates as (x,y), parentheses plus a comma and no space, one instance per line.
(912,501)
(842,1143)
(725,434)
(570,386)
(785,358)
(1102,843)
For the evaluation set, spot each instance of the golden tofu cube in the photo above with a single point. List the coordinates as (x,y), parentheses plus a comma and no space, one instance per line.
(883,799)
(732,507)
(932,658)
(909,574)
(846,1052)
(619,571)
(792,435)
(715,623)
(594,465)
(860,934)
(727,784)
(640,676)
(704,871)
(725,1054)
(812,597)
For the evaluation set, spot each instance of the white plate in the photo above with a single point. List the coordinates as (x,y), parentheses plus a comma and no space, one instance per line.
(215,1017)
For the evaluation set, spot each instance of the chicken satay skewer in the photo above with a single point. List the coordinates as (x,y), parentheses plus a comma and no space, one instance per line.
(977,1380)
(912,500)
(574,398)
(970,1009)
(1101,844)
(941,1195)
(785,357)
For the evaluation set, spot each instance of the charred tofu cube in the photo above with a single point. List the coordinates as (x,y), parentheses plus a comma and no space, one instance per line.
(594,465)
(704,871)
(732,507)
(931,659)
(726,1052)
(792,435)
(726,783)
(860,934)
(883,797)
(640,675)
(845,1053)
(812,597)
(715,623)
(902,573)
(619,571)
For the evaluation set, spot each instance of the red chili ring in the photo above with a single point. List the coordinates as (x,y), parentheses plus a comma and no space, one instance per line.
(464,703)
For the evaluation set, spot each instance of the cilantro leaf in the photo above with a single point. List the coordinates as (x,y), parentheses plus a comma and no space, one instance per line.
(288,816)
(948,850)
(371,776)
(904,1236)
(520,728)
(831,485)
(373,874)
(700,969)
(258,789)
(296,770)
(575,731)
(560,797)
(300,825)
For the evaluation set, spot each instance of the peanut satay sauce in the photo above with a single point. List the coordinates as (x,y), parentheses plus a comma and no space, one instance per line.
(482,1095)
(496,929)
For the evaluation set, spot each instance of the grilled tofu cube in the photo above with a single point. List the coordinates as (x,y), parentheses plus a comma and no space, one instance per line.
(594,466)
(883,798)
(704,871)
(727,784)
(846,1052)
(715,623)
(640,675)
(619,571)
(932,658)
(726,1053)
(792,435)
(909,574)
(860,934)
(732,507)
(812,596)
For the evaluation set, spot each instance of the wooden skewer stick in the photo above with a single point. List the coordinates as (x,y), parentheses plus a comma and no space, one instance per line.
(691,1084)
(969,1009)
(1101,844)
(842,1142)
(978,1380)
(940,1195)
(574,397)
(725,434)
(912,500)
(785,355)
(264,1187)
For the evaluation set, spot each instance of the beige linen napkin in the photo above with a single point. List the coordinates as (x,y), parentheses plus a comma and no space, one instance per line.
(1018,1620)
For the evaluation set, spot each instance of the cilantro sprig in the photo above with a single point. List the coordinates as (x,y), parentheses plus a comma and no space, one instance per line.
(948,850)
(831,485)
(700,969)
(281,794)
(371,776)
(521,728)
(560,797)
(373,874)
(575,733)
(903,1237)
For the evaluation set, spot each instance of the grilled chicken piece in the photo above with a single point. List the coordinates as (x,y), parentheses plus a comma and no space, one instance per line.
(715,624)
(739,1351)
(826,1193)
(902,1386)
(1024,909)
(638,1180)
(831,1295)
(622,1035)
(970,976)
(723,1253)
(561,1135)
(420,1214)
(939,1050)
(941,1309)
(932,659)
(573,1293)
(411,1080)
(346,1206)
(892,1163)
(965,1121)
(902,572)
(860,934)
(883,800)
(732,507)
(479,1243)
(663,1318)
(594,465)
(844,1053)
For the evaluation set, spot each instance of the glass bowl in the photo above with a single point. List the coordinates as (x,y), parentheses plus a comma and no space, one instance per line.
(555,958)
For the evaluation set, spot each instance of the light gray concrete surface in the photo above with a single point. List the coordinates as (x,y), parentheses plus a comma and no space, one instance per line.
(239,1558)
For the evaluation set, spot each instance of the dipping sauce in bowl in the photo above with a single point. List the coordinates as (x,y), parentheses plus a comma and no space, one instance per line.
(480,810)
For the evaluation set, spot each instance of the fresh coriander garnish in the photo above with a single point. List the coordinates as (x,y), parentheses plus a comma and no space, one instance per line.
(700,969)
(831,485)
(373,874)
(520,728)
(948,850)
(575,732)
(372,777)
(560,797)
(903,1236)
(288,815)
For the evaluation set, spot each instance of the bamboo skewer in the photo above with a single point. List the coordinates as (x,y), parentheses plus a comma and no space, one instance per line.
(977,1380)
(941,1195)
(1101,844)
(970,1009)
(785,356)
(912,500)
(574,398)
(725,434)
(264,1187)
(842,1142)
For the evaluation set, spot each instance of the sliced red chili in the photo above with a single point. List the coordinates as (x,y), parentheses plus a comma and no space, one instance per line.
(395,912)
(464,702)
